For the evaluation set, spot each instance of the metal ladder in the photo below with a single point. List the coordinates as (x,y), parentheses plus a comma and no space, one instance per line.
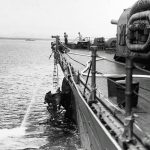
(55,75)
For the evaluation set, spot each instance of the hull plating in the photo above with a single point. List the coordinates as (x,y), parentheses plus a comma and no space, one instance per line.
(93,134)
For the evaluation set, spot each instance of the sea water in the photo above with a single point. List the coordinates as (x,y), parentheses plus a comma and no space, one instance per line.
(25,77)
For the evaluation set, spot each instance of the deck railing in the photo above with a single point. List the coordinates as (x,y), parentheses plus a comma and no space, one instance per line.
(129,120)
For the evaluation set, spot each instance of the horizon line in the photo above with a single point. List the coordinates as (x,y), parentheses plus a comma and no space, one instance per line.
(25,38)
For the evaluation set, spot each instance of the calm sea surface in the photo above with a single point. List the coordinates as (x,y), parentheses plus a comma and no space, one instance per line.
(25,77)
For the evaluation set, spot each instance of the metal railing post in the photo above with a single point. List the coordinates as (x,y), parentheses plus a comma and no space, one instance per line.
(129,119)
(128,92)
(93,72)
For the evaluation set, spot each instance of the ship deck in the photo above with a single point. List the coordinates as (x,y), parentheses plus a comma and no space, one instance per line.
(108,66)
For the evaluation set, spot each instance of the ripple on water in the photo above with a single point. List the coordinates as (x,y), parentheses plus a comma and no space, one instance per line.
(25,75)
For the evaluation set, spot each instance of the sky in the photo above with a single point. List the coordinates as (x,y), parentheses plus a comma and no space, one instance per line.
(44,18)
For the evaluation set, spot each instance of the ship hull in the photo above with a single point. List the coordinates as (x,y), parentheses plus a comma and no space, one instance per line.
(94,135)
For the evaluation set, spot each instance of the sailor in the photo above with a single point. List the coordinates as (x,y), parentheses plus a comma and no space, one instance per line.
(65,38)
(80,36)
(53,46)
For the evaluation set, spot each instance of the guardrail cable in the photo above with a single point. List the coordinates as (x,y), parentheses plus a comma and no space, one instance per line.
(104,76)
(146,99)
(76,60)
(145,89)
(96,56)
(142,69)
(117,84)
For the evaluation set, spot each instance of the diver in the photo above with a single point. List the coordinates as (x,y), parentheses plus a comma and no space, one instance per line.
(53,101)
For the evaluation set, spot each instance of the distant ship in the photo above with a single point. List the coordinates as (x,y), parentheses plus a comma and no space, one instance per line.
(30,39)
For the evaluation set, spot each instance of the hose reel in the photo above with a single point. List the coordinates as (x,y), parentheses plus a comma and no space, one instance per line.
(138,28)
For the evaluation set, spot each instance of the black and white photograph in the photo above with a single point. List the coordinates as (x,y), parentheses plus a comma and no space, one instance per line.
(74,74)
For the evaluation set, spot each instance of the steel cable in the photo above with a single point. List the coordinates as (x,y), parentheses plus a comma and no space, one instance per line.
(76,60)
(117,108)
